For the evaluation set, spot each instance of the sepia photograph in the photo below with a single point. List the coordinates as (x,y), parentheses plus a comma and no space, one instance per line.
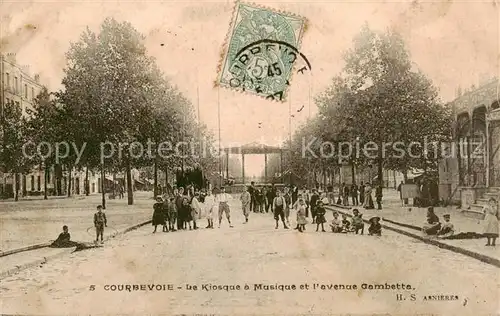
(232,157)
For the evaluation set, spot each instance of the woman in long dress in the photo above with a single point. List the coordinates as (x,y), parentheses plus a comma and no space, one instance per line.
(368,198)
(301,215)
(491,222)
(209,208)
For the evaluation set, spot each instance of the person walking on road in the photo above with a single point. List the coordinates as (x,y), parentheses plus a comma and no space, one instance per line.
(378,196)
(222,200)
(245,199)
(279,209)
(253,202)
(491,222)
(100,222)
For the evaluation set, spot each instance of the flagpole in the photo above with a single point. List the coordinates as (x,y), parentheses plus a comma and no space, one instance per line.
(218,123)
(290,136)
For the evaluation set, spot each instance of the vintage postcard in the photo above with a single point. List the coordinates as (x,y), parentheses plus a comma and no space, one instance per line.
(249,157)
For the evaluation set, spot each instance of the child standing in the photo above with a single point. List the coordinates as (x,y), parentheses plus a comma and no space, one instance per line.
(158,215)
(320,216)
(209,209)
(357,222)
(186,210)
(195,209)
(100,222)
(301,215)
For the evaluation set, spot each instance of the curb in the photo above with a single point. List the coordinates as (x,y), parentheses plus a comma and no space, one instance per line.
(35,263)
(62,253)
(27,248)
(402,224)
(483,258)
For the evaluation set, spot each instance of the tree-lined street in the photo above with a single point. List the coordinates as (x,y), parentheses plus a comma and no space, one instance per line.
(34,222)
(255,253)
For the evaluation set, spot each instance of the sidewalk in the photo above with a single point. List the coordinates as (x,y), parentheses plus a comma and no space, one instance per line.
(394,214)
(40,221)
(16,262)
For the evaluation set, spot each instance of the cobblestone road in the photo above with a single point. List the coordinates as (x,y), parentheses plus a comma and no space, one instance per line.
(254,253)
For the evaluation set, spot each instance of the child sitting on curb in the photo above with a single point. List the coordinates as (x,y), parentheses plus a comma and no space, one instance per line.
(336,224)
(346,224)
(375,227)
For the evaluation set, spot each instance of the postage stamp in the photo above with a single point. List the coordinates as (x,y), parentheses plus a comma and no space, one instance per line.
(261,51)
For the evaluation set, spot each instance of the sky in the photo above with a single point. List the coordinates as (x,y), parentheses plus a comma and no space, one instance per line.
(454,43)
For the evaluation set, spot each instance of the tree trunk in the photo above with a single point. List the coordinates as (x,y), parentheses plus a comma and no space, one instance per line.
(114,185)
(405,176)
(380,173)
(324,177)
(87,184)
(46,174)
(166,177)
(69,180)
(130,192)
(16,187)
(155,176)
(103,187)
(353,173)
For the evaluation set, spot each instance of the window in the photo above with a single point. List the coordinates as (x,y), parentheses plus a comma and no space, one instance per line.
(38,182)
(48,176)
(32,93)
(7,79)
(32,183)
(25,91)
(16,85)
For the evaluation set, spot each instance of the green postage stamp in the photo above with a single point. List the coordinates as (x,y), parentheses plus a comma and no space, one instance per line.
(261,52)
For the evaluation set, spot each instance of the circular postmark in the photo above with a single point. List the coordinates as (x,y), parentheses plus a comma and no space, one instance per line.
(265,66)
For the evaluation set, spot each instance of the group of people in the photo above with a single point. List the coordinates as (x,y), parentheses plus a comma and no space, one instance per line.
(360,195)
(183,209)
(303,202)
(434,227)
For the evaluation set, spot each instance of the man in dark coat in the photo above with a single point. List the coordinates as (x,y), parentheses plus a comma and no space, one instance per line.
(253,200)
(178,205)
(158,214)
(361,193)
(271,194)
(378,196)
(314,200)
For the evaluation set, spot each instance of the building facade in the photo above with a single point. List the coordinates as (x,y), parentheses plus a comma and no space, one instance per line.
(472,173)
(19,88)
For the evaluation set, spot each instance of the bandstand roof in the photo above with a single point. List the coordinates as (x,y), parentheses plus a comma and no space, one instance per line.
(253,148)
